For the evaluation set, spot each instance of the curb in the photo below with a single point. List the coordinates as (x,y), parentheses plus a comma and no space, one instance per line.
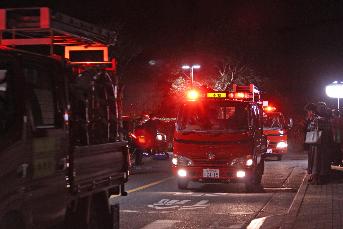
(293,210)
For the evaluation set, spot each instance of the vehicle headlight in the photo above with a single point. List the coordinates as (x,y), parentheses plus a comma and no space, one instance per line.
(249,162)
(182,161)
(160,137)
(242,161)
(281,145)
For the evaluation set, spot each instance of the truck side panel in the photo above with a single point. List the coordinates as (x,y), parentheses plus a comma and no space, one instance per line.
(99,166)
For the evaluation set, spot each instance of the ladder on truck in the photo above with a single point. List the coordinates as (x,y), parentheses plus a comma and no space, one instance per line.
(83,42)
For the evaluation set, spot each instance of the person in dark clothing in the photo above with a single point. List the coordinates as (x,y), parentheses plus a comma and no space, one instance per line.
(310,114)
(337,126)
(321,152)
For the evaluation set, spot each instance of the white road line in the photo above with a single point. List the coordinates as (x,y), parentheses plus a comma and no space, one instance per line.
(256,223)
(129,211)
(279,189)
(161,224)
(236,226)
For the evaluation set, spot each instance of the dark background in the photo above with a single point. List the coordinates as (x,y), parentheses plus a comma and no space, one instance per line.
(297,46)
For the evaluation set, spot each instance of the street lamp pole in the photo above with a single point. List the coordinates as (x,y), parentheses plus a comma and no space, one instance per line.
(194,66)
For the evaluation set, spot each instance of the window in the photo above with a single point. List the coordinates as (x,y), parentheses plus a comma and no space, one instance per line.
(40,95)
(220,116)
(273,121)
(93,104)
(7,99)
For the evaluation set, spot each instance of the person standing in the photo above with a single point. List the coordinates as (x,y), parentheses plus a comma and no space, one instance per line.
(336,123)
(309,126)
(322,150)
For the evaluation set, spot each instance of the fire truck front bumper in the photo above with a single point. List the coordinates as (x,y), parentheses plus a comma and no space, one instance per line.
(213,174)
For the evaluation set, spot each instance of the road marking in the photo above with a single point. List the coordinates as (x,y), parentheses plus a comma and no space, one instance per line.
(280,189)
(236,226)
(148,185)
(256,223)
(161,224)
(129,211)
(199,194)
(178,204)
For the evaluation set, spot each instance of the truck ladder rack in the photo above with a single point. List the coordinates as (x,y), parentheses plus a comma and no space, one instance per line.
(42,26)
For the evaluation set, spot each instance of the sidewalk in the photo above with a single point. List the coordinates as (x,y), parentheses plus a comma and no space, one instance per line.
(317,206)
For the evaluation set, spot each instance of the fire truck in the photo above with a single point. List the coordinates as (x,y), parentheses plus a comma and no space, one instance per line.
(219,137)
(275,127)
(62,154)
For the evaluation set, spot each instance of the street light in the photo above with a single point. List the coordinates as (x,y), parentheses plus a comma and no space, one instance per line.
(194,66)
(335,90)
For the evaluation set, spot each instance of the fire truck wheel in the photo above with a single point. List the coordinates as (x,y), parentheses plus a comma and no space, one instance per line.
(254,183)
(182,184)
(261,168)
(279,157)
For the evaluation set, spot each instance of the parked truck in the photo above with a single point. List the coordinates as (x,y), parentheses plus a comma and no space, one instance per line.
(62,154)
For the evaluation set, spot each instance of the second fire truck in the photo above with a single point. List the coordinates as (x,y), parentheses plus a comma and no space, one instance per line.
(275,127)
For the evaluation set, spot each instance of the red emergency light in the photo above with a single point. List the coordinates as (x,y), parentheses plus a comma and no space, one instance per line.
(192,95)
(269,109)
(239,95)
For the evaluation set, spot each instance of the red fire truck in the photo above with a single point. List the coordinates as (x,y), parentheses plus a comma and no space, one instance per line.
(219,137)
(275,127)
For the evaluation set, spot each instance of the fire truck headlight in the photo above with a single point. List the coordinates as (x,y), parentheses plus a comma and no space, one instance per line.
(182,161)
(182,173)
(281,145)
(240,174)
(281,132)
(159,137)
(242,161)
(174,160)
(249,162)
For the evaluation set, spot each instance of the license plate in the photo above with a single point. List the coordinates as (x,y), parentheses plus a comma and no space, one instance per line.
(210,173)
(269,151)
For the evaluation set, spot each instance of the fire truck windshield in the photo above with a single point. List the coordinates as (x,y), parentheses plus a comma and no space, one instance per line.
(221,116)
(273,121)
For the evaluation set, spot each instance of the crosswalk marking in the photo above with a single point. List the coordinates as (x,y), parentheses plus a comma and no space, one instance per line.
(161,224)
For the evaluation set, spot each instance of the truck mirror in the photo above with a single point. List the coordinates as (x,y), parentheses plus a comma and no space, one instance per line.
(290,123)
(3,85)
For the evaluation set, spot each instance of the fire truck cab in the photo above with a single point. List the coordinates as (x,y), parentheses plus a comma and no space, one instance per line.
(219,137)
(275,127)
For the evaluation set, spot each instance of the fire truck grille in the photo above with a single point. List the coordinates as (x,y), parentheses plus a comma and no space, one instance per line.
(272,144)
(213,163)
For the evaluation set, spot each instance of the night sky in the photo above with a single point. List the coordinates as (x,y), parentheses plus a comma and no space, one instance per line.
(297,45)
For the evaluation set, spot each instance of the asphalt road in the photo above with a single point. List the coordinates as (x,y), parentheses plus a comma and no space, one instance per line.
(154,200)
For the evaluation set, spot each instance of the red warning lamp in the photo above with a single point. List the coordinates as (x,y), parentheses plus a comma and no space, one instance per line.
(269,109)
(193,95)
(240,95)
(141,140)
